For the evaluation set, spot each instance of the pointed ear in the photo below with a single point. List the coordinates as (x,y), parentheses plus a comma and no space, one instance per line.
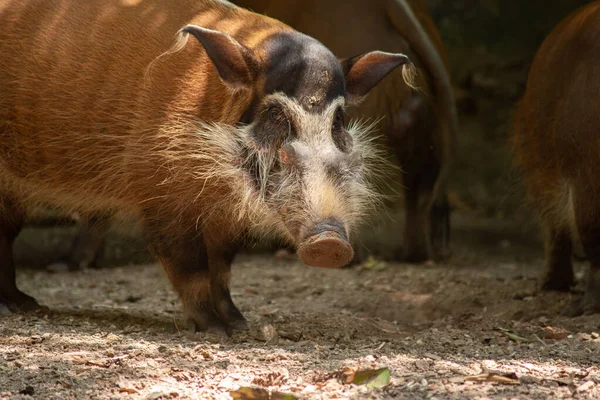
(236,64)
(365,71)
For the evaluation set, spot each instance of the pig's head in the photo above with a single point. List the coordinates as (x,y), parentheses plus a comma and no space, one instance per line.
(303,167)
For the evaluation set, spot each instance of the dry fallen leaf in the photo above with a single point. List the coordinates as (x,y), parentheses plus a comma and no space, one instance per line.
(128,390)
(374,378)
(268,311)
(554,333)
(372,264)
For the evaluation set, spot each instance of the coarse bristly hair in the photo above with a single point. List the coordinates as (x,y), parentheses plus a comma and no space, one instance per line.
(223,153)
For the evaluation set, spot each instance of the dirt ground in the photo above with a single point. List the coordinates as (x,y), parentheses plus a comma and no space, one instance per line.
(475,327)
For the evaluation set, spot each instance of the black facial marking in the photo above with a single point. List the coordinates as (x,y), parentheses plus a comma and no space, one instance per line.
(341,137)
(304,69)
(272,127)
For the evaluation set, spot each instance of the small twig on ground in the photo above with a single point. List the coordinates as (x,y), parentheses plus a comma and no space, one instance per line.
(540,340)
(490,377)
(513,336)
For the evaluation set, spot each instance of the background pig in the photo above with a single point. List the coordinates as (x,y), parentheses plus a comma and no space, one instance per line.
(237,129)
(88,244)
(556,142)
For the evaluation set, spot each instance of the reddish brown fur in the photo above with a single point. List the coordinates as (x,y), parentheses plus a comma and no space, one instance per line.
(136,108)
(88,126)
(121,161)
(557,144)
(425,145)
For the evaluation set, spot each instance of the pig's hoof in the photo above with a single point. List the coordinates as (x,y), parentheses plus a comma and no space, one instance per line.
(209,321)
(416,255)
(205,321)
(587,305)
(573,309)
(591,303)
(553,284)
(232,317)
(326,249)
(18,302)
(239,325)
(226,310)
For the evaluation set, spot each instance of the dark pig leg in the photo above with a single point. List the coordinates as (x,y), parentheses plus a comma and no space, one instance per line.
(587,219)
(199,274)
(12,218)
(439,227)
(88,244)
(559,268)
(427,214)
(220,276)
(419,197)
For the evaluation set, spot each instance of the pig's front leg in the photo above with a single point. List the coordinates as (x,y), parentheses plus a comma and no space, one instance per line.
(219,261)
(200,275)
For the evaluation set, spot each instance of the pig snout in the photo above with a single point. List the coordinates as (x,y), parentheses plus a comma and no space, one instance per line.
(326,245)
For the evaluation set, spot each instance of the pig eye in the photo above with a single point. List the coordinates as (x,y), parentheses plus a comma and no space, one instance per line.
(275,127)
(338,120)
(276,115)
(341,138)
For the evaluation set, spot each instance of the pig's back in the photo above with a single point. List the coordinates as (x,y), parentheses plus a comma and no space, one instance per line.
(559,117)
(72,90)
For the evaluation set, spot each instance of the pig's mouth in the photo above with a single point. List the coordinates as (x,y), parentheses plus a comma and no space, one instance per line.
(326,245)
